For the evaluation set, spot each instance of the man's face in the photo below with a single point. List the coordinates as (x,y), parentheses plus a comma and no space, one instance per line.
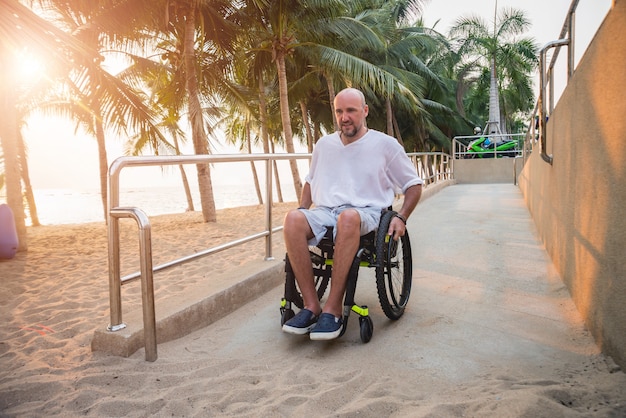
(350,113)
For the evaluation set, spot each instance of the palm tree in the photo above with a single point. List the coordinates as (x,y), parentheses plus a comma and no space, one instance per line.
(9,141)
(91,96)
(509,60)
(21,28)
(198,28)
(296,28)
(379,51)
(28,188)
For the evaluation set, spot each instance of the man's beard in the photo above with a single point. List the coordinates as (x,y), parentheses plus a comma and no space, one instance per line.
(349,130)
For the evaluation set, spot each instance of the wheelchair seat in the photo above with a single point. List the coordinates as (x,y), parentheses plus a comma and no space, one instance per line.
(391,259)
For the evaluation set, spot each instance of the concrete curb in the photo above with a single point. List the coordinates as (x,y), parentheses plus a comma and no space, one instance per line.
(195,308)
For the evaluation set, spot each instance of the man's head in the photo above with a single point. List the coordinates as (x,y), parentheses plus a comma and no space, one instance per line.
(351,111)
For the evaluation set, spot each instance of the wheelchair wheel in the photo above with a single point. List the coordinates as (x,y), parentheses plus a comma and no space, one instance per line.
(321,272)
(394,269)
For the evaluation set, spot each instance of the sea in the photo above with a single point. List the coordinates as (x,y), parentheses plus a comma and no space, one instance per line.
(67,206)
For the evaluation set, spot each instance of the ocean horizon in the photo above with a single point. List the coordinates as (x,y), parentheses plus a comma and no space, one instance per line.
(68,206)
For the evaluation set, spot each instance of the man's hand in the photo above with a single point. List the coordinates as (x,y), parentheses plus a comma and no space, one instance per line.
(397,228)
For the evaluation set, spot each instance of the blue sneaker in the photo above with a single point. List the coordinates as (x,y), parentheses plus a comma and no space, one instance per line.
(301,323)
(328,327)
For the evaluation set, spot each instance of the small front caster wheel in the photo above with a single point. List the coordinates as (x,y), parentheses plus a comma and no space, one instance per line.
(285,315)
(367,328)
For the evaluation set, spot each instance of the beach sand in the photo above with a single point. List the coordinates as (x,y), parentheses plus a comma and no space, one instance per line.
(431,363)
(55,295)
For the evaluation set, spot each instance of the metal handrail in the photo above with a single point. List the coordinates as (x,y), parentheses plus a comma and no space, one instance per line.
(143,223)
(546,75)
(431,166)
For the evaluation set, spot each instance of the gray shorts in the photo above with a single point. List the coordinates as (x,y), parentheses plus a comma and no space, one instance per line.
(320,218)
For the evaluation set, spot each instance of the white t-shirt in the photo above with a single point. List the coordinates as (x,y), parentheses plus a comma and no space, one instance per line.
(367,172)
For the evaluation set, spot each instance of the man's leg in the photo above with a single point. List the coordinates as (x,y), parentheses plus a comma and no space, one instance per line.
(346,245)
(330,322)
(297,232)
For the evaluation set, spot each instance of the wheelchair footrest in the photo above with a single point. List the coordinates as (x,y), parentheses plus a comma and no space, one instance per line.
(360,310)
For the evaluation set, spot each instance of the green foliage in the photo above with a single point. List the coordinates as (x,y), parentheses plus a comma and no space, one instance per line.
(436,86)
(477,42)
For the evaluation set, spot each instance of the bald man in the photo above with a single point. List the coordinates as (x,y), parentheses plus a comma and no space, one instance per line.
(354,175)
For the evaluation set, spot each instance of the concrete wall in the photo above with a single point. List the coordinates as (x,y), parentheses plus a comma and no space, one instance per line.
(579,203)
(487,170)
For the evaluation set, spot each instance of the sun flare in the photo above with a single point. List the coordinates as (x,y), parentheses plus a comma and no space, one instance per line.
(28,67)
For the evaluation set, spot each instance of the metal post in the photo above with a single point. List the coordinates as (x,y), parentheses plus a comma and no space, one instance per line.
(147,285)
(147,275)
(542,95)
(551,94)
(268,209)
(570,50)
(115,284)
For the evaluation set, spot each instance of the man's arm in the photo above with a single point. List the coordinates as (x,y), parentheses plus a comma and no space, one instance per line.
(305,200)
(412,195)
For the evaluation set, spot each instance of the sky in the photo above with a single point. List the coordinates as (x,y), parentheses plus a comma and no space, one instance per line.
(59,158)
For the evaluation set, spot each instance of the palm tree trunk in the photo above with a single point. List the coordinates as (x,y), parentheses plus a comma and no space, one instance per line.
(307,125)
(286,120)
(264,134)
(103,163)
(317,132)
(183,177)
(255,176)
(279,190)
(397,129)
(389,116)
(8,140)
(494,125)
(331,98)
(263,115)
(28,188)
(207,201)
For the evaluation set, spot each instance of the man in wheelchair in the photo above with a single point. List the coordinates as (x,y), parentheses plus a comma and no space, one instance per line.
(354,175)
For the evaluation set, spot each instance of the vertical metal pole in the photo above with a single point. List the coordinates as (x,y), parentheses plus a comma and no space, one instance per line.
(115,284)
(147,276)
(551,83)
(268,208)
(542,95)
(542,101)
(147,286)
(570,49)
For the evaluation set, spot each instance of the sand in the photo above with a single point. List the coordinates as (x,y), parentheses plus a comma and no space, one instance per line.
(55,295)
(431,363)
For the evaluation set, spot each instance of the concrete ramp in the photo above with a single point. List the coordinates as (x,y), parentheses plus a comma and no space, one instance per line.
(490,331)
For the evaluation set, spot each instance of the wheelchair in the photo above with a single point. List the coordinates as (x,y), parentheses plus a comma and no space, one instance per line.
(391,259)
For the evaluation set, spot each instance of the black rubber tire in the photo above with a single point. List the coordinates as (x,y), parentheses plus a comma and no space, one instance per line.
(367,328)
(285,315)
(321,283)
(394,269)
